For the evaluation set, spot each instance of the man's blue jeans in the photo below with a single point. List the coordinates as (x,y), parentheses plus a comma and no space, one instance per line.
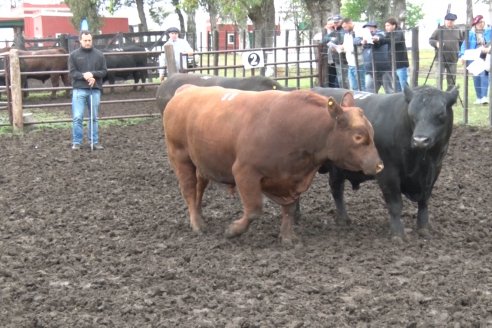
(402,74)
(352,75)
(82,99)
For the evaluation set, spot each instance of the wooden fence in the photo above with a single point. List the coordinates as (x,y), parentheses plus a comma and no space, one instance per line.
(295,64)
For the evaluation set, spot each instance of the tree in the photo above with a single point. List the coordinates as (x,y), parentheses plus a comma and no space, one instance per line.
(320,11)
(379,11)
(262,14)
(157,13)
(88,9)
(413,16)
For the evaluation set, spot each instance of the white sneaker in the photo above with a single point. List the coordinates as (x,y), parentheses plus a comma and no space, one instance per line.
(484,100)
(478,102)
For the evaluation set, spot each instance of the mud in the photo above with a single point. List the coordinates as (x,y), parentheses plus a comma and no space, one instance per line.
(101,239)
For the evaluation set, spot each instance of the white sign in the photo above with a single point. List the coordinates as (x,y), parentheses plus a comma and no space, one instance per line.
(253,59)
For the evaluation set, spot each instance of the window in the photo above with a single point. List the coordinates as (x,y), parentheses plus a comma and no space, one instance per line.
(231,38)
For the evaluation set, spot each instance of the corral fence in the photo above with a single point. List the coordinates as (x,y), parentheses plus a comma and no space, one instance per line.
(293,59)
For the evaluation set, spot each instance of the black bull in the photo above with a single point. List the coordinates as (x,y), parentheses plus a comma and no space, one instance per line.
(254,83)
(124,61)
(412,131)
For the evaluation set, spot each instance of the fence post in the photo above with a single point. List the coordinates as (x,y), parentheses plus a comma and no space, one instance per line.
(415,57)
(16,86)
(170,59)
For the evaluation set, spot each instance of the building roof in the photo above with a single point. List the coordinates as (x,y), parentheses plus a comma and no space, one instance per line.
(6,22)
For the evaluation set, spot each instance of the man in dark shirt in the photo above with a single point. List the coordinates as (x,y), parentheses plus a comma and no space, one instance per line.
(394,32)
(452,37)
(87,67)
(335,45)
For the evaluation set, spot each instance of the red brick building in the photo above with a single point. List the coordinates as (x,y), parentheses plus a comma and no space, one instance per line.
(50,20)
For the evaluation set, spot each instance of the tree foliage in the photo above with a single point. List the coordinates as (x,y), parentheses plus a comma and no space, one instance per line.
(88,9)
(156,10)
(379,11)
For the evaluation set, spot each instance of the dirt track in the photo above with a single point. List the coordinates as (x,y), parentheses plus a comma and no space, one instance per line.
(102,240)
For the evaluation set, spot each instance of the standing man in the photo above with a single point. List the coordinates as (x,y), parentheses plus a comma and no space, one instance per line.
(181,49)
(87,67)
(335,45)
(331,69)
(401,55)
(353,53)
(377,59)
(452,38)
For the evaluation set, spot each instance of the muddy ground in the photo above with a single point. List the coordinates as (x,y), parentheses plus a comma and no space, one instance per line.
(101,239)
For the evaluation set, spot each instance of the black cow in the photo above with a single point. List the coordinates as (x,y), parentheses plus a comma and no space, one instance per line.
(254,83)
(126,61)
(412,131)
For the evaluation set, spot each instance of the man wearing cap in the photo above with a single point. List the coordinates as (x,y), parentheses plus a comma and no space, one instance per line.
(181,48)
(452,38)
(332,80)
(377,59)
(479,37)
(335,42)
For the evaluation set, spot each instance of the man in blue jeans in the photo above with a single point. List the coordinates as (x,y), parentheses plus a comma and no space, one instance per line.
(87,67)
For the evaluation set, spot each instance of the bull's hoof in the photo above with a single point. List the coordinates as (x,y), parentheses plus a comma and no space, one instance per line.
(398,240)
(234,229)
(424,233)
(197,227)
(290,240)
(343,221)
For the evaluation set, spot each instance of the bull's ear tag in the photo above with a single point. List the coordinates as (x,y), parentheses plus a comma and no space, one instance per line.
(274,87)
(330,102)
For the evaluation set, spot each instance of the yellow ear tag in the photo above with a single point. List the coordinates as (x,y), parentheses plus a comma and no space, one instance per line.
(274,87)
(330,103)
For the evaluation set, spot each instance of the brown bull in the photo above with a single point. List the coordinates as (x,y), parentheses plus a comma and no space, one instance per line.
(45,64)
(268,142)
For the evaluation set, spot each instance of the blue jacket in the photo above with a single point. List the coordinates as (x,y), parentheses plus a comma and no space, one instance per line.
(472,40)
(380,50)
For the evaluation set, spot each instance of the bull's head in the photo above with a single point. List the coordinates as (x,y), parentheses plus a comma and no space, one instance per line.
(354,147)
(431,114)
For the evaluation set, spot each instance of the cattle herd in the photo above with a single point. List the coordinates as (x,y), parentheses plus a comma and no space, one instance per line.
(273,142)
(262,138)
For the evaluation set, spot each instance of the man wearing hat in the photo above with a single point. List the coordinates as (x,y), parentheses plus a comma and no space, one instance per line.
(452,38)
(181,48)
(377,59)
(335,45)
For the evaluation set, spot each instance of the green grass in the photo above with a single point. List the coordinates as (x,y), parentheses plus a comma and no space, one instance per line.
(39,115)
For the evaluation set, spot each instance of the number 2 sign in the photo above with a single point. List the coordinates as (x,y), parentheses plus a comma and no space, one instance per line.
(253,59)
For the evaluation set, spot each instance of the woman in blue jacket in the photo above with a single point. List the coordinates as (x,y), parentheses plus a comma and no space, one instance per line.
(479,37)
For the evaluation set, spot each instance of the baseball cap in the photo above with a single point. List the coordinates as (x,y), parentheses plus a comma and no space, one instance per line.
(173,29)
(371,24)
(450,16)
(337,18)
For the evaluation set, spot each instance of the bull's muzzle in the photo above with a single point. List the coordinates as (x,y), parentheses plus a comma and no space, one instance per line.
(420,142)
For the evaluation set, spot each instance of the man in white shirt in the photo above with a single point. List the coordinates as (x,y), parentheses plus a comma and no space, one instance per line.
(353,54)
(181,49)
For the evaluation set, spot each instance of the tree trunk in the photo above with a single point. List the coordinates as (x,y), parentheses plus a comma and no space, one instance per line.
(191,28)
(320,10)
(399,8)
(263,18)
(141,15)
